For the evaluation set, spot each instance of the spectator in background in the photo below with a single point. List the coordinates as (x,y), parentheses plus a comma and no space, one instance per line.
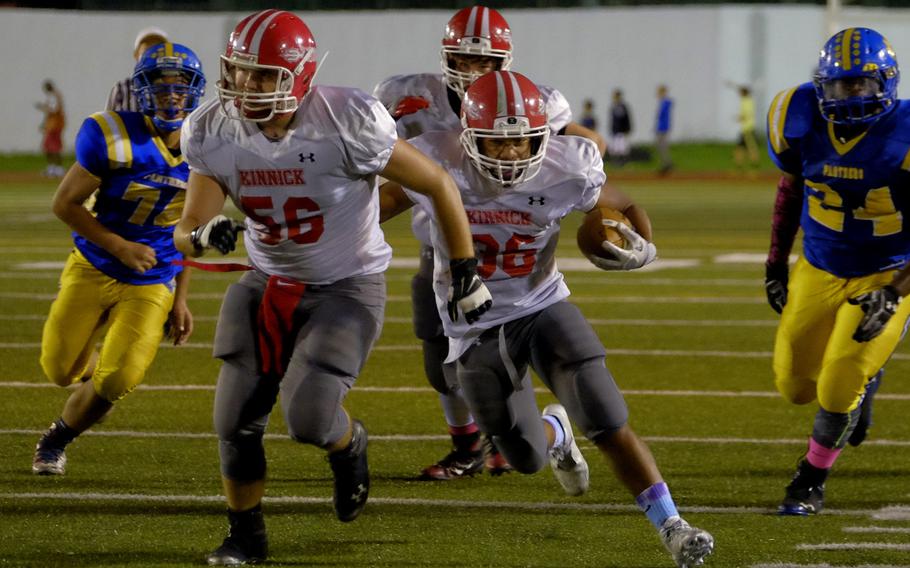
(588,120)
(122,97)
(620,128)
(52,128)
(747,145)
(663,124)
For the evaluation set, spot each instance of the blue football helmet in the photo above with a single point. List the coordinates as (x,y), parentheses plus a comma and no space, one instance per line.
(168,84)
(857,77)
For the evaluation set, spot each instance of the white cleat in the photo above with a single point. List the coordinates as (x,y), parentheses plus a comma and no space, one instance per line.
(688,545)
(566,461)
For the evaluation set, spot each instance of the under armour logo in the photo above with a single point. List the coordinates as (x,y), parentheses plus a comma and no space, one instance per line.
(535,200)
(360,493)
(311,157)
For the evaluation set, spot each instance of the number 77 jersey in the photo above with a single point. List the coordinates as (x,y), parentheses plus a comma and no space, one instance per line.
(856,193)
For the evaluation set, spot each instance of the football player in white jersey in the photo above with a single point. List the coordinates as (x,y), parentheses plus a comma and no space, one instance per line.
(517,183)
(476,40)
(301,163)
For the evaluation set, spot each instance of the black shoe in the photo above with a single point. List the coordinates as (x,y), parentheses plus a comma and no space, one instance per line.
(865,417)
(456,464)
(246,542)
(352,475)
(493,461)
(806,493)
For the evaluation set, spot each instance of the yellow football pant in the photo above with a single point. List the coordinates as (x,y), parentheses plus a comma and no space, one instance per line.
(88,299)
(815,355)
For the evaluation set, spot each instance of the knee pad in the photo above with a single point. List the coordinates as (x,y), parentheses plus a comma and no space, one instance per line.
(243,457)
(441,377)
(831,429)
(796,391)
(114,386)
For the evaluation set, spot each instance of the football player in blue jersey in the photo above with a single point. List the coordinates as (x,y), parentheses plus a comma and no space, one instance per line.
(843,144)
(120,274)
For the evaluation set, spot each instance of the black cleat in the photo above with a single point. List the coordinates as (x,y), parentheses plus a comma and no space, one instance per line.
(352,475)
(456,464)
(865,417)
(806,493)
(493,461)
(246,542)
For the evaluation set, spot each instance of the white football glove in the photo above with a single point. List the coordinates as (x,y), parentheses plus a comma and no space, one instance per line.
(637,253)
(219,233)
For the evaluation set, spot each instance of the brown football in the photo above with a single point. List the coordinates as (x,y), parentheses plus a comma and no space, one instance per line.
(593,232)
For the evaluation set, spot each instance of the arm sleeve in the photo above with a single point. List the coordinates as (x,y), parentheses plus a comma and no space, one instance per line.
(559,113)
(788,206)
(91,148)
(594,178)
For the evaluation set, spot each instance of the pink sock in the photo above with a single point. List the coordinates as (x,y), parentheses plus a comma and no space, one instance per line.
(820,456)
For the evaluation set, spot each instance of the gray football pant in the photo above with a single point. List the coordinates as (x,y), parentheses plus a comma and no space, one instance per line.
(560,345)
(338,324)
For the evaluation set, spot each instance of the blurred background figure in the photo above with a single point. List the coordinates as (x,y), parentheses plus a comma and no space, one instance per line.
(588,119)
(122,97)
(747,144)
(52,128)
(662,126)
(620,129)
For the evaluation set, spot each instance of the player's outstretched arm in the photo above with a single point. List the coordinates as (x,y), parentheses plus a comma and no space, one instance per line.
(202,226)
(76,187)
(393,201)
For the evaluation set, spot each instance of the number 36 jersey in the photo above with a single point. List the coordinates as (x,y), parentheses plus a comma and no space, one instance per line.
(515,231)
(857,192)
(310,198)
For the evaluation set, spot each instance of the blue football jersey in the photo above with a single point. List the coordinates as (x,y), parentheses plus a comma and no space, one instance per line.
(856,191)
(142,191)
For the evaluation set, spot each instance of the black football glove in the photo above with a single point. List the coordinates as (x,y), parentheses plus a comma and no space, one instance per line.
(467,291)
(220,234)
(776,278)
(878,307)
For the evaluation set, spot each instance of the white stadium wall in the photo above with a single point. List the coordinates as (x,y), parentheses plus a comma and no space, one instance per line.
(585,53)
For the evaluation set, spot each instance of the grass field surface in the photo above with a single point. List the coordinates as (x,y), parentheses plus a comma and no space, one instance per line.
(689,342)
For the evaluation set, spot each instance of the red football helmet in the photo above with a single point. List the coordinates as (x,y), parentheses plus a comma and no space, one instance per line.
(271,45)
(475,31)
(504,104)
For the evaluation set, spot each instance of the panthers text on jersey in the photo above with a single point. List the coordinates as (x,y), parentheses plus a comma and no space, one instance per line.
(310,198)
(141,193)
(444,113)
(515,231)
(857,192)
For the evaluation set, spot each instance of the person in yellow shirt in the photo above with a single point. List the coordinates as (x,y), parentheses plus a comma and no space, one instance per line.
(747,145)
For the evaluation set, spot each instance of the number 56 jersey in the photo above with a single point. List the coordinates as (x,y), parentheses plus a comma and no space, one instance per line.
(515,230)
(310,198)
(856,193)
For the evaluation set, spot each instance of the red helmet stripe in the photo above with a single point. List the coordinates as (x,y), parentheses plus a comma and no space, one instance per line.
(251,23)
(260,31)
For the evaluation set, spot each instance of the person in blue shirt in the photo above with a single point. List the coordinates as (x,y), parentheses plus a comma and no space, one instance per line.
(843,145)
(662,127)
(120,275)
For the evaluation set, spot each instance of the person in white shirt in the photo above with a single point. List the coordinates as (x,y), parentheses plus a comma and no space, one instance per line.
(476,40)
(122,97)
(517,183)
(301,162)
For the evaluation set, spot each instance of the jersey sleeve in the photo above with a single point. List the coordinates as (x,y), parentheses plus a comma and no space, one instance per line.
(789,117)
(91,147)
(368,133)
(559,113)
(595,177)
(191,140)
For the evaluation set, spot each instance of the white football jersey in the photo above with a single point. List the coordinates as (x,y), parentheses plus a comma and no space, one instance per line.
(441,116)
(310,198)
(515,231)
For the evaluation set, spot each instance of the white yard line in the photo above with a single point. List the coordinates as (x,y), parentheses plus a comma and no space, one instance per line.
(429,437)
(791,565)
(854,546)
(880,530)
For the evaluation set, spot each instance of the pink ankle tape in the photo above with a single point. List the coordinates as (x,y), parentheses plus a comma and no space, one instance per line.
(463,430)
(820,456)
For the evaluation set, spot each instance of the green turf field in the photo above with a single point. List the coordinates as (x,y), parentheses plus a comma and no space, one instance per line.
(689,342)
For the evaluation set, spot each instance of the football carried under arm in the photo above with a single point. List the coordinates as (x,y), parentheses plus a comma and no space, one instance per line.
(411,169)
(625,230)
(202,226)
